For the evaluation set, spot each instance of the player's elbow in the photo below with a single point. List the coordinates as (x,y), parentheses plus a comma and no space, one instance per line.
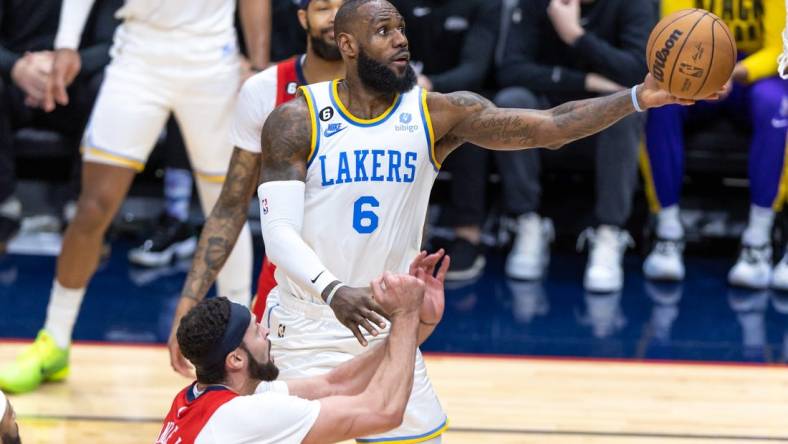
(392,416)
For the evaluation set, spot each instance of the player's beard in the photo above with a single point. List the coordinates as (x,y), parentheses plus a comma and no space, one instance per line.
(322,47)
(381,78)
(264,371)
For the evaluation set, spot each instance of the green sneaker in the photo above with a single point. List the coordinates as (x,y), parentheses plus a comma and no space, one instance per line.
(41,361)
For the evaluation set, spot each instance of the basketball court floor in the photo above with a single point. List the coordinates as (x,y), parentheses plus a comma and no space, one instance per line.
(512,362)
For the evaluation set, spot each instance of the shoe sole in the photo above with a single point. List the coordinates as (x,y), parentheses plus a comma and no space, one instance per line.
(180,250)
(470,273)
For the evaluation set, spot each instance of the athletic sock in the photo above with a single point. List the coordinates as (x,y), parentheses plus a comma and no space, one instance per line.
(759,227)
(177,192)
(62,312)
(669,224)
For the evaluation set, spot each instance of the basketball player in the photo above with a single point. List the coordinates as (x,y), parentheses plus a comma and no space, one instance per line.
(236,398)
(347,169)
(259,96)
(9,429)
(172,56)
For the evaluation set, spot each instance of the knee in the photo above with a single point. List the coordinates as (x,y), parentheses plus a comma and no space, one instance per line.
(94,212)
(516,97)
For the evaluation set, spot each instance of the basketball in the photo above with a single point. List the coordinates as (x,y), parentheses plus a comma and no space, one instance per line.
(691,53)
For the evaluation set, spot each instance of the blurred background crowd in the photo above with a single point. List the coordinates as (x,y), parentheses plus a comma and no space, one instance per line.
(708,180)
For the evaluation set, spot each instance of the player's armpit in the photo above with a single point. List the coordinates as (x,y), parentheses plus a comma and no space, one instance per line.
(344,417)
(286,142)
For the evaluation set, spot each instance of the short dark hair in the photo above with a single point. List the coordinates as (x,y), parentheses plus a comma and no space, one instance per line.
(347,15)
(200,332)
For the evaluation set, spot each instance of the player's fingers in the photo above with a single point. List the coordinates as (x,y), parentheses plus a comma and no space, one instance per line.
(377,289)
(357,334)
(432,260)
(378,315)
(368,327)
(441,276)
(416,262)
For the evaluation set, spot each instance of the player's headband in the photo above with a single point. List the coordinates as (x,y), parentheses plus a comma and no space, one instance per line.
(233,334)
(3,405)
(303,4)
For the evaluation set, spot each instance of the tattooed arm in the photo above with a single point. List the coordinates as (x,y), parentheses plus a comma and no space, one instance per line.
(467,117)
(285,146)
(216,241)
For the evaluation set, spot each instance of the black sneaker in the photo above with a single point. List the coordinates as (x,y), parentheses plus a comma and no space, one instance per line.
(8,228)
(171,238)
(467,261)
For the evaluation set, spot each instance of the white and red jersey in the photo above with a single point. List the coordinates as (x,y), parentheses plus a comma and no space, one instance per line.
(259,96)
(219,415)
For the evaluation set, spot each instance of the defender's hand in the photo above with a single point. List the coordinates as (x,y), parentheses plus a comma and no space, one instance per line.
(65,67)
(355,308)
(177,360)
(423,268)
(399,294)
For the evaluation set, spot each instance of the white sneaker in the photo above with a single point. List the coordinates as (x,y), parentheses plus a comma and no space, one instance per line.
(530,253)
(782,59)
(665,262)
(753,269)
(604,272)
(780,274)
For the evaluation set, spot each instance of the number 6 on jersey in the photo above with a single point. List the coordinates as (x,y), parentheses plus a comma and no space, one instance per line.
(365,221)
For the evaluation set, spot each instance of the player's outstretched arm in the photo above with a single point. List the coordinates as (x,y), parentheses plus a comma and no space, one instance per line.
(216,242)
(286,141)
(467,117)
(381,406)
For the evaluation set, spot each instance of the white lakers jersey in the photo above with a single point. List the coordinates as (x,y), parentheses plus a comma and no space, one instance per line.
(368,184)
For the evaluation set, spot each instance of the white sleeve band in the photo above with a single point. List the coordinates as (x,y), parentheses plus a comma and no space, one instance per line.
(73,15)
(281,219)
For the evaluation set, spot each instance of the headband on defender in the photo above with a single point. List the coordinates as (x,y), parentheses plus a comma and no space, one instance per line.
(233,334)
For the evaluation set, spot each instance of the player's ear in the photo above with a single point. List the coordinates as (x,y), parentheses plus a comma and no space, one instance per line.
(302,18)
(347,45)
(235,359)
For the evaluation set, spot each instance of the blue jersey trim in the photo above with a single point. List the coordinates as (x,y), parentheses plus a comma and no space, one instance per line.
(354,120)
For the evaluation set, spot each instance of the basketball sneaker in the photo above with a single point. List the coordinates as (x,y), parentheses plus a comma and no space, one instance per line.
(753,269)
(530,253)
(604,271)
(42,361)
(171,238)
(467,260)
(665,262)
(780,274)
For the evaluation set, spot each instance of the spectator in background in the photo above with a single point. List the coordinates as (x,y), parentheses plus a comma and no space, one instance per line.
(560,50)
(173,235)
(758,97)
(27,36)
(452,43)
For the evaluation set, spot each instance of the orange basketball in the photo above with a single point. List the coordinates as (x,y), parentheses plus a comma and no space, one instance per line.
(691,53)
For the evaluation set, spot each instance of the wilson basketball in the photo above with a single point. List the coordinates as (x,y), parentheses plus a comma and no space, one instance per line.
(691,53)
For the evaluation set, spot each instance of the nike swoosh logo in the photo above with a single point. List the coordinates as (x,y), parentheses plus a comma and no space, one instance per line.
(779,123)
(318,275)
(329,133)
